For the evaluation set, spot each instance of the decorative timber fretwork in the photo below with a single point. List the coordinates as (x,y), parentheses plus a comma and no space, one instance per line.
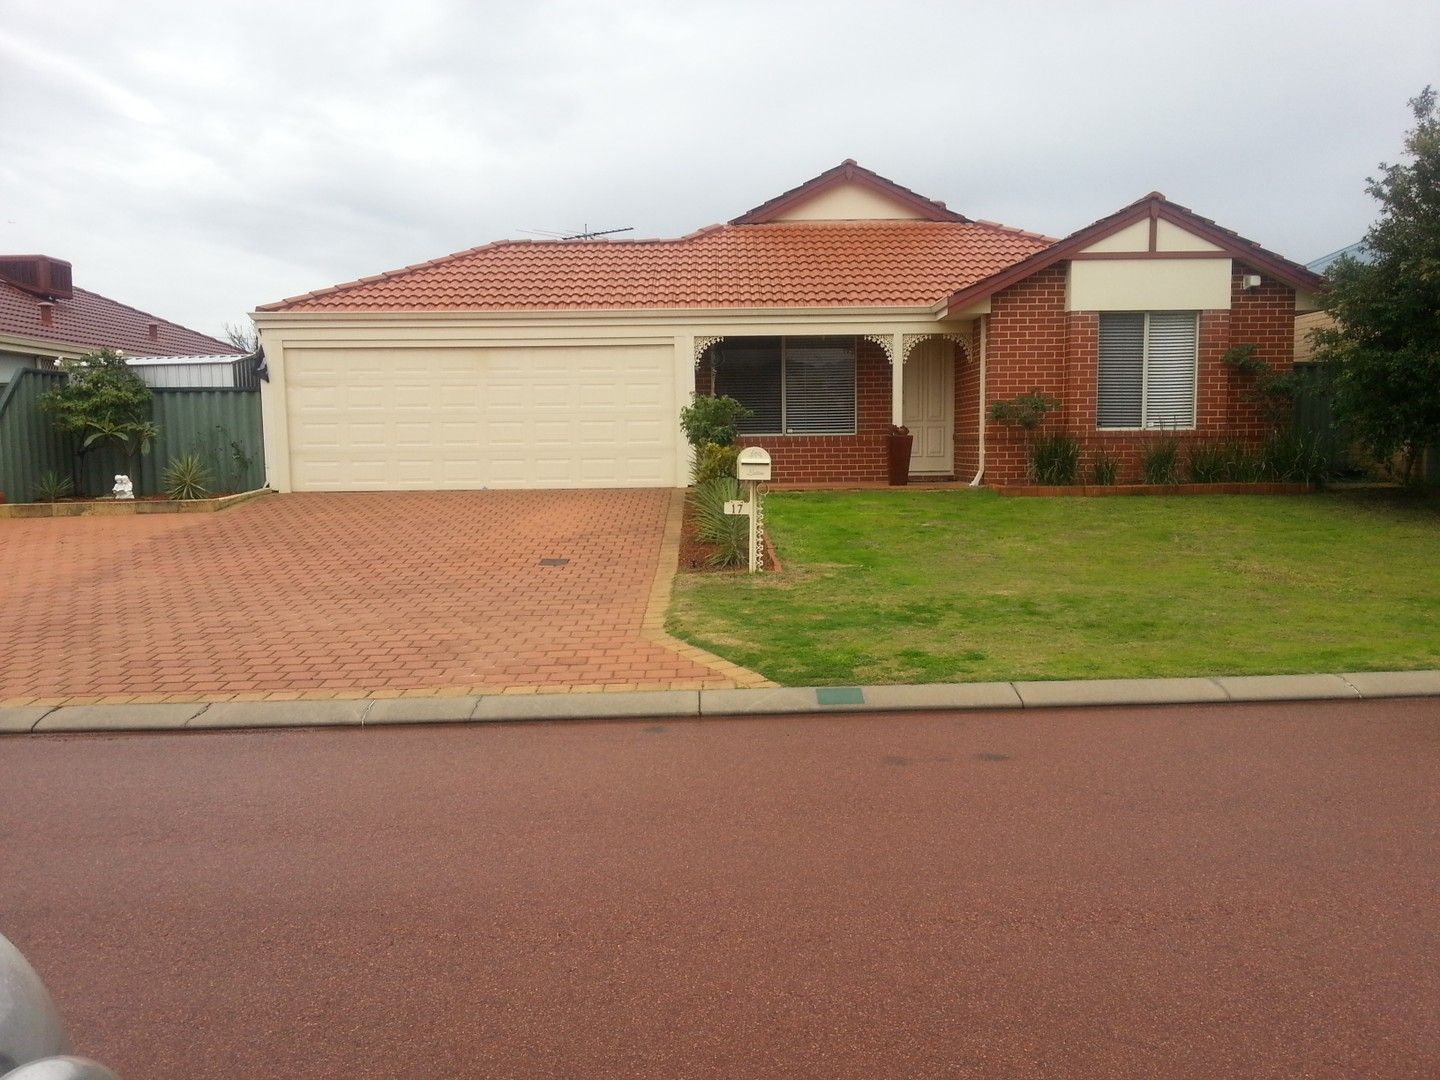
(912,340)
(702,346)
(884,341)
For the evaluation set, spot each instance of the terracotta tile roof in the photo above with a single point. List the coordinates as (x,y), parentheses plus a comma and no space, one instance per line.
(790,264)
(90,320)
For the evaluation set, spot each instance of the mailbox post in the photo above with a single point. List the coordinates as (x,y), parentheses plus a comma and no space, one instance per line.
(752,468)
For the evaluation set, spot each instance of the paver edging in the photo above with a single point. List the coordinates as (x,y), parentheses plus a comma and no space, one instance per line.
(127,508)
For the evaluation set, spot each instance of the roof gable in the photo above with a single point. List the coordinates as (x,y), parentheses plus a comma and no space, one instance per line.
(1188,234)
(849,192)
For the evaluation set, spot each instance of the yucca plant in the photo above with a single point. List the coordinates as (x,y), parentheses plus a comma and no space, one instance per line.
(728,533)
(1054,459)
(52,487)
(1104,470)
(1160,464)
(186,477)
(1295,457)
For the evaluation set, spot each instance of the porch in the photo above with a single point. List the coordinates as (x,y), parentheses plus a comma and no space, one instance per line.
(823,406)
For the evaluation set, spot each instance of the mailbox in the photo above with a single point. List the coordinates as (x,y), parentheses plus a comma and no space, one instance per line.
(753,464)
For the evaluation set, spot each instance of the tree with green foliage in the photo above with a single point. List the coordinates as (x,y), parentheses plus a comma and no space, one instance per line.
(1385,345)
(102,403)
(714,420)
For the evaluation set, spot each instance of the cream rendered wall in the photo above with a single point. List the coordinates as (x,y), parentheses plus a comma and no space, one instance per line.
(1148,285)
(1134,237)
(1171,237)
(849,202)
(284,334)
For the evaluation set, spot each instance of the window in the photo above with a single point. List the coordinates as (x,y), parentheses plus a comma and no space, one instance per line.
(1147,370)
(792,386)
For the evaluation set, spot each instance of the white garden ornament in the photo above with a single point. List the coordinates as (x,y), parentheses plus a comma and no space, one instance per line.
(123,488)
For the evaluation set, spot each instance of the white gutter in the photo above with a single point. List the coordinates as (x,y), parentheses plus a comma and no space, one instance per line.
(984,324)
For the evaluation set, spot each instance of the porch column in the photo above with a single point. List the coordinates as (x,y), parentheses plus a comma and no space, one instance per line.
(685,361)
(897,379)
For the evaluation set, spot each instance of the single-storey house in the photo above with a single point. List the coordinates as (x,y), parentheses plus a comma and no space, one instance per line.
(45,318)
(833,311)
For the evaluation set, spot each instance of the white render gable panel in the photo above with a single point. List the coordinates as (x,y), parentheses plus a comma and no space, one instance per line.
(541,416)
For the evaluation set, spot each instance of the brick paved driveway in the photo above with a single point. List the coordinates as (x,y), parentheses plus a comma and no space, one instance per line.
(339,595)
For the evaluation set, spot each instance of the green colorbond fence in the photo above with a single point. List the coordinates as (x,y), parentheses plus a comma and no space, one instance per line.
(205,420)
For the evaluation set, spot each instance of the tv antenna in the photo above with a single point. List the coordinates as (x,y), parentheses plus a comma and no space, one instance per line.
(586,233)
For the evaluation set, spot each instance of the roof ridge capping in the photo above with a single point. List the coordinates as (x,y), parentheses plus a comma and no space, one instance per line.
(851,171)
(1153,204)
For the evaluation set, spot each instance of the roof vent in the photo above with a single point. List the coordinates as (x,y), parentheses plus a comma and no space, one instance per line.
(47,313)
(153,329)
(38,274)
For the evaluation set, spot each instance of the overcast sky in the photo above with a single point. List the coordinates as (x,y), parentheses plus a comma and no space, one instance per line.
(197,159)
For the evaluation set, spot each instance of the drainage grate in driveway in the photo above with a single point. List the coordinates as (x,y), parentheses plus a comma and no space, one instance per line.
(554,562)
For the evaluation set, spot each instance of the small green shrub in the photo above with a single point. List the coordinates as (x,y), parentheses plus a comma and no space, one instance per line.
(1026,411)
(729,534)
(1104,469)
(712,420)
(1054,459)
(1295,457)
(713,461)
(52,487)
(1160,464)
(186,477)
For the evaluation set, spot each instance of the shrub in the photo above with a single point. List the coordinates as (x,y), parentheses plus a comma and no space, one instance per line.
(730,534)
(1104,469)
(1295,457)
(186,477)
(1224,462)
(1160,463)
(103,403)
(1026,411)
(713,461)
(711,420)
(52,487)
(1054,459)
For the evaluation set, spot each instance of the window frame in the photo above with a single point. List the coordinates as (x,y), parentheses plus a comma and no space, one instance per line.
(784,373)
(1194,424)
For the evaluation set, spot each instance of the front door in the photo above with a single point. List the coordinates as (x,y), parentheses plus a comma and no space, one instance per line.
(930,407)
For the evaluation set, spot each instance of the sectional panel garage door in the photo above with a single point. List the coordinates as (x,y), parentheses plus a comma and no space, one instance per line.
(372,419)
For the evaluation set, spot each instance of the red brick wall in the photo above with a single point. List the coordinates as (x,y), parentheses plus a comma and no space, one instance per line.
(823,459)
(967,408)
(1026,346)
(1033,343)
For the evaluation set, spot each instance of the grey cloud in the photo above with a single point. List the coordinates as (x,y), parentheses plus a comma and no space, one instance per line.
(265,149)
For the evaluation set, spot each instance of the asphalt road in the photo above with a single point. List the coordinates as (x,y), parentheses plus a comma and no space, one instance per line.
(1194,891)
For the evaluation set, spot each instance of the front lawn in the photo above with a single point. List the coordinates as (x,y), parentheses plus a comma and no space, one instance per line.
(939,586)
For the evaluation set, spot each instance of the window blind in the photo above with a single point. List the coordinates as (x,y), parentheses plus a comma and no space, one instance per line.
(749,370)
(1122,370)
(820,386)
(1170,370)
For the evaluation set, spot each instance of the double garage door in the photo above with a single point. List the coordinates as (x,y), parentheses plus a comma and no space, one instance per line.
(377,419)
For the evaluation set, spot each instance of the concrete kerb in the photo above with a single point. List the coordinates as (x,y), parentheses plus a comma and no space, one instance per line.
(694,704)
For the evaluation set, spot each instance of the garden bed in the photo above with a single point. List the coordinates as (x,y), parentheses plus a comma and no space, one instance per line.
(149,504)
(1260,488)
(695,553)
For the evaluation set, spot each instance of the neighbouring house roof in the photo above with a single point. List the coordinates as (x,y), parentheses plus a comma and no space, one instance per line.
(890,263)
(1156,206)
(90,321)
(1357,251)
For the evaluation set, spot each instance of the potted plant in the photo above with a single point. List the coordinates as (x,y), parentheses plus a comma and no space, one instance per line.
(899,443)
